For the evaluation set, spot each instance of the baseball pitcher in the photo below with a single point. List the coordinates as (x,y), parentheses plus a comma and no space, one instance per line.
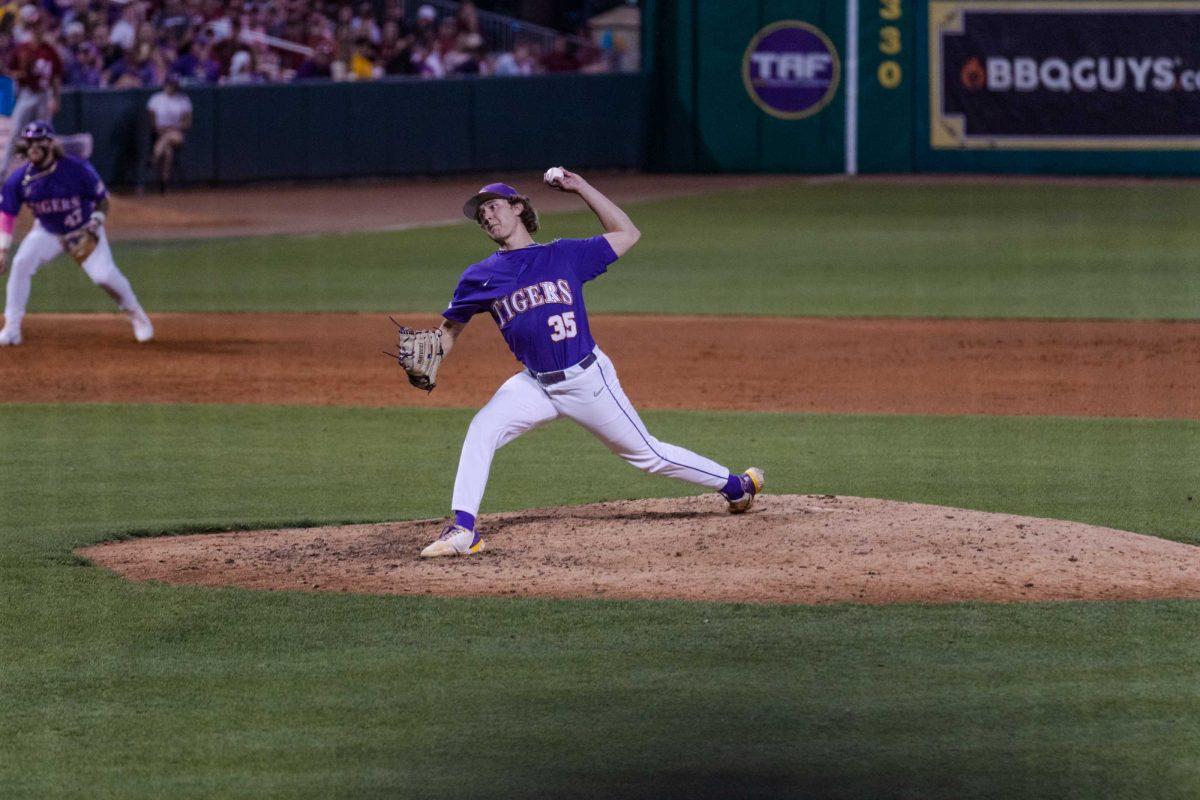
(534,294)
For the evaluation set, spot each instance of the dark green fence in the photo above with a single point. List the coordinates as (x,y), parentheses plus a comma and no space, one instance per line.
(701,116)
(401,127)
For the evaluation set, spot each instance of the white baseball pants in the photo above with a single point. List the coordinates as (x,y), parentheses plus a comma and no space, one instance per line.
(594,399)
(40,246)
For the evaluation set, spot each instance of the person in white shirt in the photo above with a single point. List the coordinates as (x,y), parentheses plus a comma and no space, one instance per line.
(171,113)
(124,31)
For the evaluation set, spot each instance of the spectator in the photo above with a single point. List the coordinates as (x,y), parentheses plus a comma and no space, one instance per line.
(319,64)
(144,68)
(364,25)
(85,66)
(171,115)
(124,30)
(426,29)
(396,55)
(362,60)
(139,42)
(208,68)
(428,61)
(173,20)
(73,35)
(38,71)
(518,62)
(269,65)
(395,14)
(447,34)
(77,11)
(186,63)
(562,58)
(468,18)
(241,68)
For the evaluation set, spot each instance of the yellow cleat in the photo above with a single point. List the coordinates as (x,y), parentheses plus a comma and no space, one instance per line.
(454,540)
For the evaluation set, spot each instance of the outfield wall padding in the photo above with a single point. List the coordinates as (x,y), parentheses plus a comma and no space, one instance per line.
(703,117)
(385,128)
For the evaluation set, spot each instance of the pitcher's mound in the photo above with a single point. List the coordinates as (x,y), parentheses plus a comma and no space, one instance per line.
(789,549)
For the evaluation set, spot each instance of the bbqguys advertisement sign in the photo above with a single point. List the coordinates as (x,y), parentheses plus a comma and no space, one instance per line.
(1066,75)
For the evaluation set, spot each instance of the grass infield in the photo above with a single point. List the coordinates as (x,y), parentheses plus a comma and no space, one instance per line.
(113,689)
(840,249)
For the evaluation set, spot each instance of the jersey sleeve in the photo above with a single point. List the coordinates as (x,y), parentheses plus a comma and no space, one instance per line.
(470,298)
(589,257)
(10,194)
(93,184)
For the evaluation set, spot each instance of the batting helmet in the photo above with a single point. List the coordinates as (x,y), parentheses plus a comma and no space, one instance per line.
(38,129)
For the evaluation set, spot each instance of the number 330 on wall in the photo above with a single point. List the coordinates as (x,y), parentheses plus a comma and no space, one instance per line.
(889,44)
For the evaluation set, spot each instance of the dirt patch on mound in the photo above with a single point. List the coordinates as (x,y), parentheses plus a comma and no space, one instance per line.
(911,366)
(790,549)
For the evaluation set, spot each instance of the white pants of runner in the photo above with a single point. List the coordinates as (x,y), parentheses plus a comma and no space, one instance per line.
(594,399)
(40,246)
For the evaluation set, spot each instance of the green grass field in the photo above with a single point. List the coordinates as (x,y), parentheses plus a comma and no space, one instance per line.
(118,690)
(839,249)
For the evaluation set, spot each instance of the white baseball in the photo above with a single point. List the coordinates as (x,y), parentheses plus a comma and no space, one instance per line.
(553,176)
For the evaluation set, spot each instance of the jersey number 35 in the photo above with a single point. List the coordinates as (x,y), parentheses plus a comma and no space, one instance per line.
(564,326)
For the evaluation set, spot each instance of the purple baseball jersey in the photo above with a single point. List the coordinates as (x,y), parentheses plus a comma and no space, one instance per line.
(62,197)
(535,295)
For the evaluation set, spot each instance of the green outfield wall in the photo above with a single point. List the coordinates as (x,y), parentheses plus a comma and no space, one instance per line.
(401,127)
(996,86)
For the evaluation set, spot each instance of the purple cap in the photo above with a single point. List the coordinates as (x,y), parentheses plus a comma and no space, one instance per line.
(38,129)
(490,192)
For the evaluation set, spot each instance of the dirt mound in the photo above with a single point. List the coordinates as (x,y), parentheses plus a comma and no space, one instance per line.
(789,549)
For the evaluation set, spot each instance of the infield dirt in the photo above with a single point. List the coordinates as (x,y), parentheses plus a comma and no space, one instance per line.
(909,366)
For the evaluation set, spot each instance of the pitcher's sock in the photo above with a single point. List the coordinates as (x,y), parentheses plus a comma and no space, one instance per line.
(733,488)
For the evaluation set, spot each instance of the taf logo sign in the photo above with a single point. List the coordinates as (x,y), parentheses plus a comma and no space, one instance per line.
(791,69)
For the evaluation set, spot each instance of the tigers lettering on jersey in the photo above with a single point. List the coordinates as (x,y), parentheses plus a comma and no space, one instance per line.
(534,294)
(507,308)
(52,205)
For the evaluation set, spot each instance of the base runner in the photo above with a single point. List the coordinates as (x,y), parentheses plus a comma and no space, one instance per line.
(69,203)
(534,293)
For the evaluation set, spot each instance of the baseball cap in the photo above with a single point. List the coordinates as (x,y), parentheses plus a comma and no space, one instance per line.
(492,191)
(38,129)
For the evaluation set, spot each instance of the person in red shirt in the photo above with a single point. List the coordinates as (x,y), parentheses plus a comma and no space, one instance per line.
(562,58)
(38,72)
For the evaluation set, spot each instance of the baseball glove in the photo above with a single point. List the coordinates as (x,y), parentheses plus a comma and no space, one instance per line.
(80,243)
(419,354)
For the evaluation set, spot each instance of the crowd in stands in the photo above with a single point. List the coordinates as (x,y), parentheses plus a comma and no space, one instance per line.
(139,43)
